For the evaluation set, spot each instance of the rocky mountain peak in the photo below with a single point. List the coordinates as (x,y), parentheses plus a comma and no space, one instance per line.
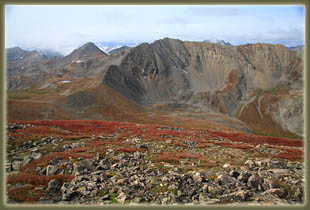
(90,46)
(86,51)
(15,53)
(167,41)
(15,49)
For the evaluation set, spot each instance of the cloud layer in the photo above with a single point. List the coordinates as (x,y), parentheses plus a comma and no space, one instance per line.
(63,28)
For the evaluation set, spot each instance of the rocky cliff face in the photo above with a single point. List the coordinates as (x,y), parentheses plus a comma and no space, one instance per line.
(289,113)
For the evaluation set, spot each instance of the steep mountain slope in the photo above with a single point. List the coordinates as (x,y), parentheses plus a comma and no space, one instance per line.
(220,78)
(171,68)
(151,73)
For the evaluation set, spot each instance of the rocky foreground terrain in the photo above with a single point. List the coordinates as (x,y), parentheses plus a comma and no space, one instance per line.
(107,163)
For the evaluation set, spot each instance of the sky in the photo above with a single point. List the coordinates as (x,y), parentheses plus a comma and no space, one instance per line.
(64,28)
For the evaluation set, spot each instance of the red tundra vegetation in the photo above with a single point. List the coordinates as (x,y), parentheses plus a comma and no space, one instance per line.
(98,136)
(173,157)
(37,180)
(255,139)
(27,194)
(290,156)
(42,131)
(237,146)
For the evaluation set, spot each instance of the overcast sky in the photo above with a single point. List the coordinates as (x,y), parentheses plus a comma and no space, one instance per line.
(64,28)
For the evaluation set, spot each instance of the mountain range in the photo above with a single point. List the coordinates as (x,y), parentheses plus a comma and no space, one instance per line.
(255,88)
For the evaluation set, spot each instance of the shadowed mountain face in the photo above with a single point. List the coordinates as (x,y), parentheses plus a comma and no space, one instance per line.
(258,85)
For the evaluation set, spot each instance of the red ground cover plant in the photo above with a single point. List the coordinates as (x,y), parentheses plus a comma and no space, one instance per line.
(26,194)
(96,143)
(202,145)
(119,143)
(42,131)
(37,180)
(290,156)
(173,157)
(187,155)
(168,157)
(80,126)
(78,149)
(292,150)
(180,144)
(206,163)
(255,139)
(156,132)
(237,146)
(29,193)
(133,130)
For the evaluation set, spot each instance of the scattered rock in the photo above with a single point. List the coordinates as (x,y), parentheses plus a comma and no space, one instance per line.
(16,164)
(255,181)
(51,170)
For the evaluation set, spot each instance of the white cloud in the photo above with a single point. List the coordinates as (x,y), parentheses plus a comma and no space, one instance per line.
(63,28)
